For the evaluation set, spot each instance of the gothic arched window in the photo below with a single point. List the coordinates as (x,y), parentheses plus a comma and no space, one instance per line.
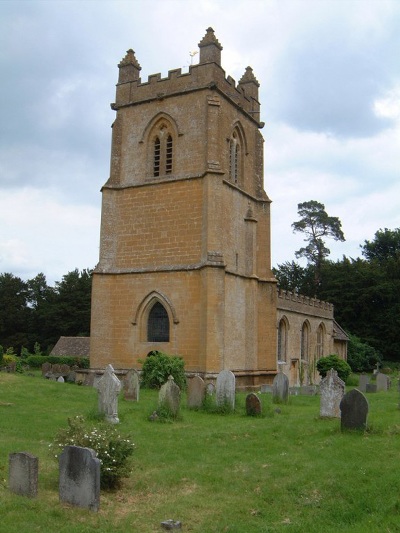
(282,340)
(158,324)
(162,151)
(235,158)
(305,341)
(320,341)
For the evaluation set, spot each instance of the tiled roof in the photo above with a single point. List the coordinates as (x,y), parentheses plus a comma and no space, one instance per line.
(72,347)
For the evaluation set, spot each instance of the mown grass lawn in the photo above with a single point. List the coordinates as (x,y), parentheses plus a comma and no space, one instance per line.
(283,472)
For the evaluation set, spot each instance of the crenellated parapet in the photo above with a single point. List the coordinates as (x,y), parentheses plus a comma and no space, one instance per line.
(208,74)
(293,301)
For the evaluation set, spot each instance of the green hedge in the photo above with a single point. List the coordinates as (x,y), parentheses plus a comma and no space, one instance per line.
(36,361)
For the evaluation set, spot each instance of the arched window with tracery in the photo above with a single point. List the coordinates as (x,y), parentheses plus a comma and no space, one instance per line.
(282,340)
(305,341)
(163,150)
(235,158)
(320,341)
(158,324)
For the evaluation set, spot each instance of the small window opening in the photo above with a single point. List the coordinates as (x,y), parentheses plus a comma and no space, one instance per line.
(158,324)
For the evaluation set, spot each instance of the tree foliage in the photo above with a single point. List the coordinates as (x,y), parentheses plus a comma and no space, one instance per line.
(316,225)
(333,361)
(158,366)
(33,312)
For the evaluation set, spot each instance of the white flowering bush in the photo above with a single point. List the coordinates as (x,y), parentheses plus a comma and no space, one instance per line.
(112,449)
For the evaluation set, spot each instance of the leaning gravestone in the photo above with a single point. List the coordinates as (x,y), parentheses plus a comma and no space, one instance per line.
(132,385)
(196,392)
(108,387)
(363,382)
(354,410)
(332,391)
(253,405)
(370,387)
(23,474)
(382,382)
(280,388)
(170,396)
(225,395)
(79,482)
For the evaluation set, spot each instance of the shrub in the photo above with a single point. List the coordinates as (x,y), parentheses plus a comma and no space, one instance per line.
(1,354)
(361,356)
(333,361)
(158,366)
(36,361)
(111,448)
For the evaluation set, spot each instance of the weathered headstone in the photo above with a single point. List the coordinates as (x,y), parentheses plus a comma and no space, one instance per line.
(363,382)
(196,392)
(225,394)
(170,396)
(56,370)
(265,388)
(354,410)
(308,390)
(382,382)
(280,388)
(253,405)
(46,367)
(370,387)
(79,481)
(132,385)
(332,391)
(23,474)
(71,377)
(108,387)
(89,380)
(210,389)
(60,379)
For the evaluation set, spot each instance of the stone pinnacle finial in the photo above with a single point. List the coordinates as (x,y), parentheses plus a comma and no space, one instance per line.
(248,77)
(210,48)
(129,59)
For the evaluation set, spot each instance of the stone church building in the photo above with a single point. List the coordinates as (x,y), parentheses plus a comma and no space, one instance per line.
(185,250)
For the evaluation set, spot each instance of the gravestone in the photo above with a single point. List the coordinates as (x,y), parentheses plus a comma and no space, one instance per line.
(170,396)
(363,382)
(108,387)
(196,392)
(370,387)
(308,390)
(354,410)
(225,394)
(46,367)
(132,385)
(210,389)
(60,379)
(56,370)
(79,481)
(23,474)
(332,391)
(71,377)
(89,380)
(382,382)
(253,404)
(265,388)
(280,388)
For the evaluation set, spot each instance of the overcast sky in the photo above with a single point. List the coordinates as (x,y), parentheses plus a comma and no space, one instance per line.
(330,98)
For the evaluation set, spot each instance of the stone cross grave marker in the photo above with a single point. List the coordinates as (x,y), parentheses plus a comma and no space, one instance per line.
(79,480)
(23,474)
(363,382)
(196,392)
(253,405)
(280,388)
(132,385)
(225,394)
(108,387)
(332,391)
(170,395)
(354,410)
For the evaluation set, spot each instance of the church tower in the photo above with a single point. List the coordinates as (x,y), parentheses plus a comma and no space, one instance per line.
(185,263)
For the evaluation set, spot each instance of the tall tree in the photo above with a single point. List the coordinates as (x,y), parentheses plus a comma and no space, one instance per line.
(386,245)
(316,224)
(14,312)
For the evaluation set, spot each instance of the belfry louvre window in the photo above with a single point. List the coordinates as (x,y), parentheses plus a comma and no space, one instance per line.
(158,324)
(162,153)
(234,158)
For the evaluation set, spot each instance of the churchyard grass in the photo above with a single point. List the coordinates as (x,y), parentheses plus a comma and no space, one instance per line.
(281,472)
